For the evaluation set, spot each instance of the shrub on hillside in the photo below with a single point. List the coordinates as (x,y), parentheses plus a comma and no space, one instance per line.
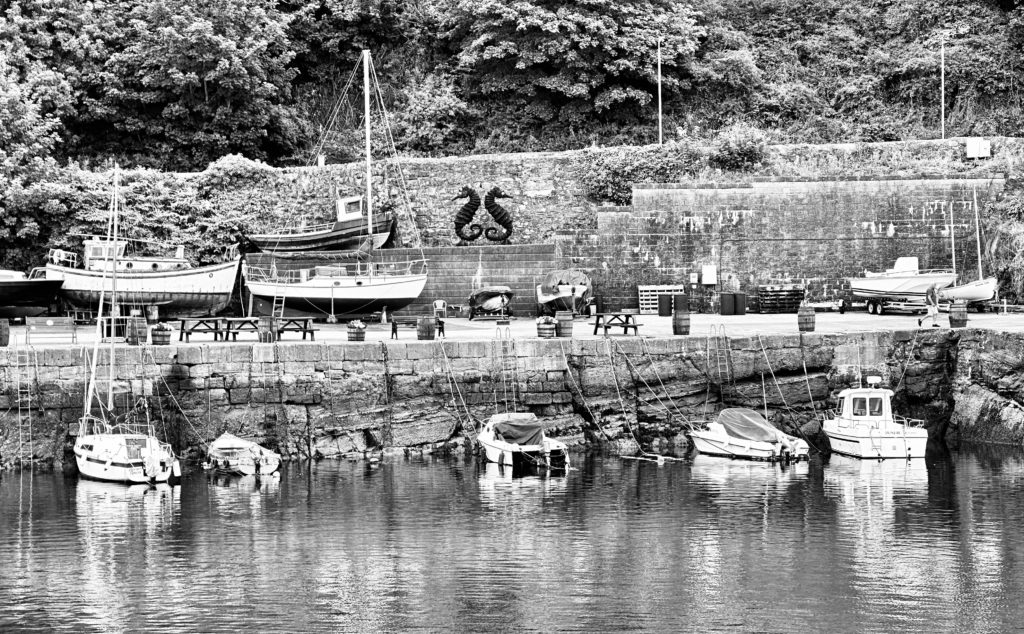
(609,175)
(740,147)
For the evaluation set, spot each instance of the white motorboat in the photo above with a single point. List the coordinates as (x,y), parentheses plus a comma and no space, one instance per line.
(170,282)
(564,290)
(739,432)
(904,282)
(982,290)
(517,439)
(341,287)
(236,456)
(864,426)
(106,449)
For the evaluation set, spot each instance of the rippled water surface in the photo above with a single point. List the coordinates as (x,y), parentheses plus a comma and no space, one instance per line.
(445,544)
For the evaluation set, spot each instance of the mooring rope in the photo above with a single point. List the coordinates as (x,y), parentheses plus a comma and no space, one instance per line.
(634,369)
(783,396)
(572,378)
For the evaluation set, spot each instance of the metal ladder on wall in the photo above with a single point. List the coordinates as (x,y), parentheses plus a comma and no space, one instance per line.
(720,348)
(25,375)
(505,350)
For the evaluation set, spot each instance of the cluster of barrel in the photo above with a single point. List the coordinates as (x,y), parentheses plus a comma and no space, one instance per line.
(561,328)
(678,306)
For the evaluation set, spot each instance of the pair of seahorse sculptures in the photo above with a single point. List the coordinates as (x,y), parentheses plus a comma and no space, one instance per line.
(499,213)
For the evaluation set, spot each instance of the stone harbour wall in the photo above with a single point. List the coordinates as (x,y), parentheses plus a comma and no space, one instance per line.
(328,400)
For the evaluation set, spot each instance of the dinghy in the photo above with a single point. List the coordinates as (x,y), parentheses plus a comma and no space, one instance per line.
(236,456)
(739,432)
(517,439)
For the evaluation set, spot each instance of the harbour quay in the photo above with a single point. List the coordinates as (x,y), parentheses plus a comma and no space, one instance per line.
(333,398)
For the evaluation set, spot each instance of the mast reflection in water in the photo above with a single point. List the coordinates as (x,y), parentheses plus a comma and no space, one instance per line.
(452,544)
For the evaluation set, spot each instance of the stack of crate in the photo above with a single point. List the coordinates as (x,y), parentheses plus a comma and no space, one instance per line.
(779,298)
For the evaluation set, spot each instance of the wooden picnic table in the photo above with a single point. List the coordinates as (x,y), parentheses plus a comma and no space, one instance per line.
(626,321)
(191,325)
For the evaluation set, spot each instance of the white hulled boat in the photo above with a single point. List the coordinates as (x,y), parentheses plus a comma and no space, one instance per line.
(864,426)
(106,449)
(739,432)
(354,287)
(517,439)
(170,282)
(237,456)
(904,282)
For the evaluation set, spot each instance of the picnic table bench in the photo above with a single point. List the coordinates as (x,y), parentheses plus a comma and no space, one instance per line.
(50,328)
(224,327)
(192,325)
(298,324)
(626,320)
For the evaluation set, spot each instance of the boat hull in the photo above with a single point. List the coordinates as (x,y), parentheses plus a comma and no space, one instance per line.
(899,287)
(866,442)
(184,292)
(342,236)
(19,298)
(721,445)
(567,298)
(349,295)
(977,291)
(124,458)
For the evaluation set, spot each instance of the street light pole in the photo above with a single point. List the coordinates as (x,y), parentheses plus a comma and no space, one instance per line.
(660,134)
(942,83)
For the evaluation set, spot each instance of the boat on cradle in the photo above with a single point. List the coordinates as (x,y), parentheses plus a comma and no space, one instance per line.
(169,282)
(491,301)
(232,455)
(739,432)
(26,295)
(564,290)
(864,426)
(344,284)
(517,440)
(106,448)
(904,282)
(349,230)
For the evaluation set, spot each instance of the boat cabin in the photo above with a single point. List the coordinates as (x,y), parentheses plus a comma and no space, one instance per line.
(350,208)
(99,254)
(866,404)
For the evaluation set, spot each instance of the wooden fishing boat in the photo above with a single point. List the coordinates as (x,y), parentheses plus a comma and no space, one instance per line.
(739,432)
(349,230)
(864,425)
(26,295)
(517,439)
(232,455)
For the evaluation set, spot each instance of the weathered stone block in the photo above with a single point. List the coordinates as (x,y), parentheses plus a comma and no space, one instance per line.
(264,353)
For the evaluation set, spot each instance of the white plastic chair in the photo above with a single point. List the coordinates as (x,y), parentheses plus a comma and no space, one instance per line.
(440,308)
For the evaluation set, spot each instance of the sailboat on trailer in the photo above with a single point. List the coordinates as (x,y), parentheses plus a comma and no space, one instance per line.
(354,283)
(106,449)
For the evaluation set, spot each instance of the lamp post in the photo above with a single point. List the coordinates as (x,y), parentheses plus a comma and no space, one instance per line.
(942,83)
(660,133)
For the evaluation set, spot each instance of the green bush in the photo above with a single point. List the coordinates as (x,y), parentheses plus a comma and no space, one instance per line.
(609,175)
(740,147)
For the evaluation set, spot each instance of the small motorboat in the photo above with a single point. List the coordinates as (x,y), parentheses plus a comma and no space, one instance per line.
(739,432)
(517,439)
(236,456)
(491,301)
(976,292)
(904,282)
(863,425)
(564,290)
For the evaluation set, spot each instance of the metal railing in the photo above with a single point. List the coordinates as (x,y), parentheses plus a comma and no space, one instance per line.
(355,269)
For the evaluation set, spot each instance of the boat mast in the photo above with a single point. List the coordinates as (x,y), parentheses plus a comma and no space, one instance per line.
(977,233)
(369,165)
(952,235)
(113,296)
(91,389)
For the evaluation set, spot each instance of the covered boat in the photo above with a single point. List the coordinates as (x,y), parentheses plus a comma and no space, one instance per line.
(169,282)
(236,456)
(517,439)
(739,432)
(864,426)
(22,295)
(491,301)
(904,282)
(564,290)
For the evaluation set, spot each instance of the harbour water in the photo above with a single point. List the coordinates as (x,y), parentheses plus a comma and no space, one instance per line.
(446,544)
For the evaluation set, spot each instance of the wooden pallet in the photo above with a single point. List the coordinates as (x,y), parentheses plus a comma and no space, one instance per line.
(648,295)
(784,298)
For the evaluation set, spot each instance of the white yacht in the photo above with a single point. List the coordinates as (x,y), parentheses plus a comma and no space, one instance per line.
(864,426)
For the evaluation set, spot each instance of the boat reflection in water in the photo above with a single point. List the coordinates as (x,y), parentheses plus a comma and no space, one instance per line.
(500,488)
(747,475)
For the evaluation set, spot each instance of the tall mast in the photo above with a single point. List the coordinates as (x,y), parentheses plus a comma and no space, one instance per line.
(369,166)
(977,233)
(952,235)
(113,294)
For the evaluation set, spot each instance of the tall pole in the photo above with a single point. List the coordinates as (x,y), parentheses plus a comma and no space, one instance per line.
(952,235)
(660,135)
(942,83)
(113,293)
(369,166)
(977,233)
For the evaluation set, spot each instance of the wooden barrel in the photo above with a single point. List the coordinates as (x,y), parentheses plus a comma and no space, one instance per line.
(161,337)
(136,331)
(958,315)
(356,334)
(805,318)
(546,331)
(266,329)
(681,323)
(5,332)
(563,323)
(425,328)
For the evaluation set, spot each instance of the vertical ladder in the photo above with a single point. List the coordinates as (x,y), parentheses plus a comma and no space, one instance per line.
(277,310)
(720,348)
(24,377)
(506,347)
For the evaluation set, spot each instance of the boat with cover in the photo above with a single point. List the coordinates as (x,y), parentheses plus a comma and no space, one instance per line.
(232,455)
(350,228)
(564,290)
(517,439)
(356,285)
(170,282)
(107,447)
(26,295)
(739,432)
(864,426)
(491,301)
(904,282)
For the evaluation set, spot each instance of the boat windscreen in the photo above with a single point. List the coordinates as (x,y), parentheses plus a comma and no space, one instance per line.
(567,277)
(520,432)
(740,422)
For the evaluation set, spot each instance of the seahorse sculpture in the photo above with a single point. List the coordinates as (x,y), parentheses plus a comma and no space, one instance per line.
(500,215)
(465,215)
